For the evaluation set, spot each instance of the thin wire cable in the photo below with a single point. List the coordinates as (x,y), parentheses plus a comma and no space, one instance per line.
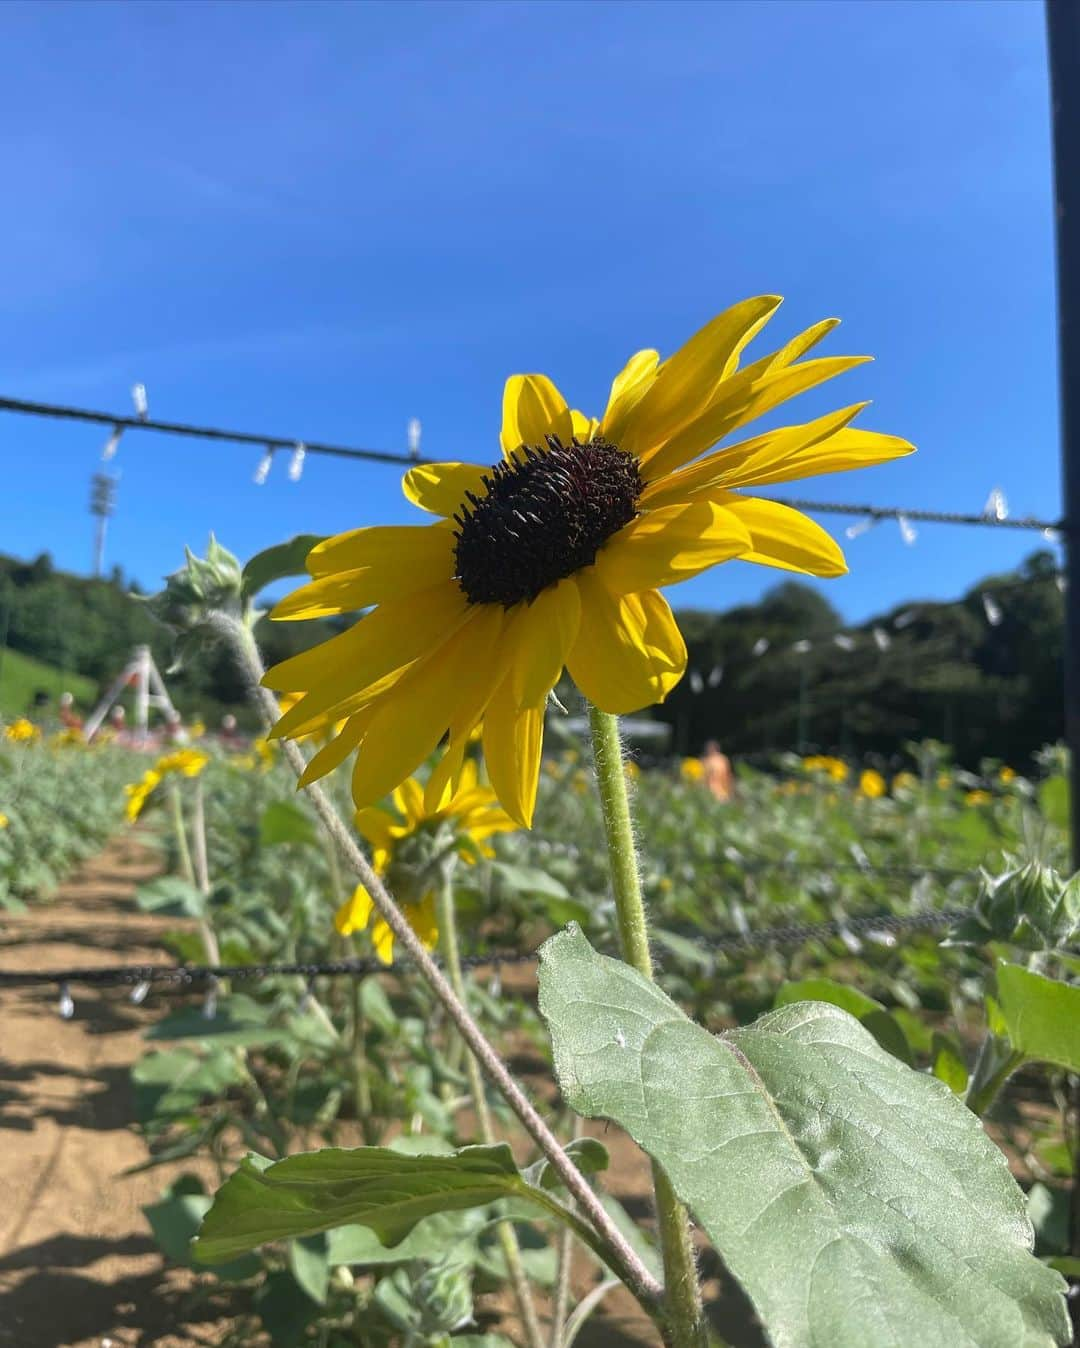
(186,975)
(875,512)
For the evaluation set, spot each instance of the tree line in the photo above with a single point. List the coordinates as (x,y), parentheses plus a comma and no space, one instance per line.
(764,676)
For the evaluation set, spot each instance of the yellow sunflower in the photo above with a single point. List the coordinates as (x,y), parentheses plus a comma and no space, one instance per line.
(555,558)
(138,793)
(412,840)
(872,784)
(187,762)
(22,731)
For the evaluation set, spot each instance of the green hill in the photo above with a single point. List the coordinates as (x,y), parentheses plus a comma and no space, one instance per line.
(22,678)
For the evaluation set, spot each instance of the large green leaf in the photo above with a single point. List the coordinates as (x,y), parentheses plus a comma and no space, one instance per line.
(857,1201)
(373,1186)
(276,563)
(866,1009)
(1042,1016)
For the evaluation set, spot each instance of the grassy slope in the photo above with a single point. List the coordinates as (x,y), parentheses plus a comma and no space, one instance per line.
(21,677)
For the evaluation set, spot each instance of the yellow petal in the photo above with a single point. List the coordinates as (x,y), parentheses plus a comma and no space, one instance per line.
(785,538)
(441,487)
(377,827)
(347,591)
(332,755)
(355,913)
(513,737)
(413,717)
(584,427)
(727,467)
(318,712)
(847,449)
(409,801)
(686,381)
(673,543)
(382,938)
(748,394)
(627,389)
(629,652)
(445,779)
(532,409)
(387,546)
(391,636)
(551,627)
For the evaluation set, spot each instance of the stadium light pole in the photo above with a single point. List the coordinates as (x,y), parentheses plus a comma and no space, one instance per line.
(102,505)
(1063,41)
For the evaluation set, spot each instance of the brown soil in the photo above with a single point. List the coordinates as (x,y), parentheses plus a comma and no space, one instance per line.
(78,1267)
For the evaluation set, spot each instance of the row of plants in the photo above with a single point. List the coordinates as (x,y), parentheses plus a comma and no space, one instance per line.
(59,802)
(284,1065)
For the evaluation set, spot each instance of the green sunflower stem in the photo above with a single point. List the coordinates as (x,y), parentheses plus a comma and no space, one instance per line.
(187,870)
(447,919)
(685,1326)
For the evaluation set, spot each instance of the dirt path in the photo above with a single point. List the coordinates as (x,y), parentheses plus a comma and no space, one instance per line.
(78,1268)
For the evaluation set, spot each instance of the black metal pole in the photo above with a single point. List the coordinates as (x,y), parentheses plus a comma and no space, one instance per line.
(1063,41)
(1063,33)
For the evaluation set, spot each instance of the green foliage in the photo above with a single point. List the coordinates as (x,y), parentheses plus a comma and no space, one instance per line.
(24,680)
(870,1204)
(277,563)
(372,1186)
(1042,1016)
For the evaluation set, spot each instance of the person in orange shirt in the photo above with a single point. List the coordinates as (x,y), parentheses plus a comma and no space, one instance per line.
(718,775)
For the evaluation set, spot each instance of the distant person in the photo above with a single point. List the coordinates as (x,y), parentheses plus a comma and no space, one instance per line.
(229,736)
(718,775)
(69,717)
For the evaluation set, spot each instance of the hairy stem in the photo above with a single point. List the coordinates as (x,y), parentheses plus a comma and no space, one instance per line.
(447,919)
(565,1252)
(202,871)
(622,1256)
(682,1293)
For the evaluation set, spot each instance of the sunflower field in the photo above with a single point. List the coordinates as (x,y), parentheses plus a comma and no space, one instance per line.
(507,1035)
(289,1064)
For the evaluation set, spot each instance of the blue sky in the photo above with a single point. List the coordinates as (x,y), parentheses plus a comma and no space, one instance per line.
(323,219)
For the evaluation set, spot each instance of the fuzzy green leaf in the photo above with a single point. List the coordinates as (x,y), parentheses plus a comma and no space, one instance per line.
(1042,1016)
(372,1186)
(802,1147)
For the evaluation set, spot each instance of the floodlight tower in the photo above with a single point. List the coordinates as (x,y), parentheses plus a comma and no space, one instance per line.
(102,506)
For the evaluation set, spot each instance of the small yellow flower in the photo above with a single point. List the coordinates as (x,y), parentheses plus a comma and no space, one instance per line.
(22,731)
(554,557)
(692,770)
(4,820)
(475,816)
(835,768)
(69,738)
(187,762)
(905,781)
(632,770)
(871,784)
(355,914)
(944,781)
(138,793)
(978,797)
(197,730)
(1007,775)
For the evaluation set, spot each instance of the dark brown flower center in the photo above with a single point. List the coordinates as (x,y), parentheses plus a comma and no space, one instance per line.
(544,515)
